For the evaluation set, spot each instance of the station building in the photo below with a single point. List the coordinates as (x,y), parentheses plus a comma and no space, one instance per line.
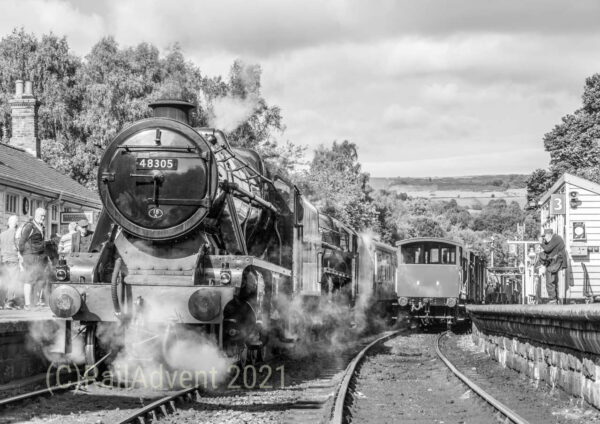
(27,182)
(571,208)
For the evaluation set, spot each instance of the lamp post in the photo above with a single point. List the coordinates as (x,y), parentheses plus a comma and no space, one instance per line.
(530,262)
(524,264)
(492,251)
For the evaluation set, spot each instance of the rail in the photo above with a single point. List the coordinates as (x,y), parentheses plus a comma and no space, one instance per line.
(140,415)
(495,403)
(38,393)
(349,373)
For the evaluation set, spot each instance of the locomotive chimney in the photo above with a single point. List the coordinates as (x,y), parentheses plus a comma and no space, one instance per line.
(174,109)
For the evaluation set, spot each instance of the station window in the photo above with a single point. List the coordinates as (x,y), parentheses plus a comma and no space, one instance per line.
(54,212)
(11,203)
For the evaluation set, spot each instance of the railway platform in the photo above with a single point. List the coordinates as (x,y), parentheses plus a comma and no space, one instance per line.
(20,354)
(555,344)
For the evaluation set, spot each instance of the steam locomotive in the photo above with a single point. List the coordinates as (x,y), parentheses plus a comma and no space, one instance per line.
(437,277)
(197,236)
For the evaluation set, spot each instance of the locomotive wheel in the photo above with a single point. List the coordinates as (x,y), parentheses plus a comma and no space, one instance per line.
(264,353)
(94,352)
(169,339)
(242,356)
(91,345)
(253,355)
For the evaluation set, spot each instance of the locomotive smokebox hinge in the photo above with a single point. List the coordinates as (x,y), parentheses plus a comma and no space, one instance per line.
(108,177)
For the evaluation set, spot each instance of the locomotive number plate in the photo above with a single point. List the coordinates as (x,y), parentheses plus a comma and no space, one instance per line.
(156,163)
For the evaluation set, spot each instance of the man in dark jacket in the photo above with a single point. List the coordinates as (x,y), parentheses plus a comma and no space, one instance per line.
(555,259)
(81,240)
(32,248)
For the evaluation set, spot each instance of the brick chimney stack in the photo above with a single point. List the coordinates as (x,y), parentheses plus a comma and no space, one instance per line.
(24,119)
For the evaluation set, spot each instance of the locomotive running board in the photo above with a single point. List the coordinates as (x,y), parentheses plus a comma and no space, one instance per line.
(271,267)
(244,261)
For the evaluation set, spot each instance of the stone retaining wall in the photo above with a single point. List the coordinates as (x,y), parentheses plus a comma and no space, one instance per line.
(555,345)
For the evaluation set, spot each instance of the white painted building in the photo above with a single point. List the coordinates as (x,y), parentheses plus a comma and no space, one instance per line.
(572,209)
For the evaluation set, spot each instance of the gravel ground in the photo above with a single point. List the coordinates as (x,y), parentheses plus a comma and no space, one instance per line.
(303,395)
(91,404)
(285,390)
(404,381)
(540,404)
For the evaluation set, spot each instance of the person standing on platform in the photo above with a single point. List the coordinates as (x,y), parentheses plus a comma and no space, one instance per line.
(32,248)
(64,245)
(555,258)
(9,258)
(82,239)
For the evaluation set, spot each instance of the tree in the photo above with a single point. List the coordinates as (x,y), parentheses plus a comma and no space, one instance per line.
(574,144)
(499,217)
(538,183)
(238,108)
(426,227)
(336,184)
(52,69)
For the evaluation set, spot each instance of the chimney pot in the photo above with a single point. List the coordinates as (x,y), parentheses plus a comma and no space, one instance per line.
(19,88)
(28,88)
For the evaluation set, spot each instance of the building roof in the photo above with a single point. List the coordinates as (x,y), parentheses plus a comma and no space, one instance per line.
(23,171)
(570,179)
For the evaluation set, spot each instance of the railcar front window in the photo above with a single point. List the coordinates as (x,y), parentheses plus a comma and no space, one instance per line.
(413,255)
(429,253)
(434,255)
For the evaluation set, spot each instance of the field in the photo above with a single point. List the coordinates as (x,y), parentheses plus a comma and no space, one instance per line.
(467,191)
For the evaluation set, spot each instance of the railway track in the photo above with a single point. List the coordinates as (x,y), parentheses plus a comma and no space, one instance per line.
(164,406)
(504,411)
(406,375)
(48,391)
(342,393)
(310,407)
(307,395)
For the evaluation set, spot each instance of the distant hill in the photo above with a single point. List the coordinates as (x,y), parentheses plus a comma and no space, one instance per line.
(468,191)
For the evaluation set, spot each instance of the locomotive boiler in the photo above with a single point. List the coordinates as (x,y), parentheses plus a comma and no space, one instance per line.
(197,236)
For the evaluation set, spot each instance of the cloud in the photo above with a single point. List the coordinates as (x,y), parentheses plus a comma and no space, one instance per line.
(441,93)
(399,117)
(60,17)
(266,27)
(416,79)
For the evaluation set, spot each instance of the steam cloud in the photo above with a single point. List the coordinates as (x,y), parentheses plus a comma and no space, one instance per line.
(144,358)
(227,113)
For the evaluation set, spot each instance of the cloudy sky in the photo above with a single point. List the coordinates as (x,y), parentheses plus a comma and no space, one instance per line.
(424,88)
